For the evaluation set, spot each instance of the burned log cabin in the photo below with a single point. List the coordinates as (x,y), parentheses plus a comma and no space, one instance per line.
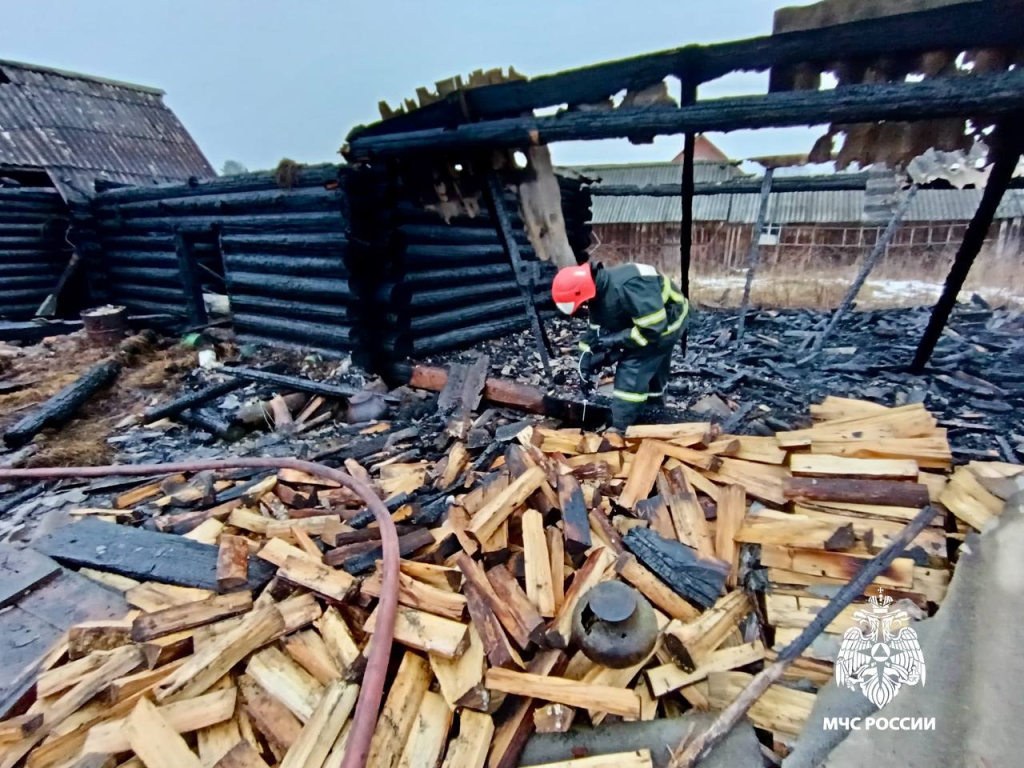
(63,131)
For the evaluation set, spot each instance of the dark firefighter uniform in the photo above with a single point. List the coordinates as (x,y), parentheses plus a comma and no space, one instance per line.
(643,314)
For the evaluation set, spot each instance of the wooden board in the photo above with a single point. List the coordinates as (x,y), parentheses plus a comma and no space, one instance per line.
(22,570)
(142,554)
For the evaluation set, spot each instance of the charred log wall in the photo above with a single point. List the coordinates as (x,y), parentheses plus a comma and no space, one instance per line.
(275,242)
(33,248)
(443,284)
(335,258)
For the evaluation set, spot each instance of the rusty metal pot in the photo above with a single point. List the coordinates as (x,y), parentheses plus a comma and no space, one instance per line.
(614,625)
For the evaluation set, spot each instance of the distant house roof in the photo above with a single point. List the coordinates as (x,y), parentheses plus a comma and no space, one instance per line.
(704,150)
(832,207)
(642,174)
(825,207)
(81,128)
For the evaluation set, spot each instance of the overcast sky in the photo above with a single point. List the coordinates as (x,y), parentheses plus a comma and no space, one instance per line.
(258,80)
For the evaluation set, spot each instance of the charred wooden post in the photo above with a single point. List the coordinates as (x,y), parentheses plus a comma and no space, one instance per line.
(62,407)
(1006,150)
(190,282)
(869,263)
(755,249)
(494,197)
(191,400)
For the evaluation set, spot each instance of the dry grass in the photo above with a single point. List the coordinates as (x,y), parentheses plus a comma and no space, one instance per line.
(49,367)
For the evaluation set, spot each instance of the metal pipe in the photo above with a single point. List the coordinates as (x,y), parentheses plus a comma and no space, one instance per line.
(372,689)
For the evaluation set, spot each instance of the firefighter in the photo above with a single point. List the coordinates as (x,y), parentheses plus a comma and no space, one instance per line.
(636,317)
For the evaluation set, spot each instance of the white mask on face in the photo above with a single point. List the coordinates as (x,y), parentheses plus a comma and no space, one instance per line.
(565,307)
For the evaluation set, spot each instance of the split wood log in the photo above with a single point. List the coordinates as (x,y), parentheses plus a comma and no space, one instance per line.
(700,580)
(149,626)
(618,701)
(426,632)
(426,741)
(155,742)
(688,754)
(270,717)
(411,683)
(286,681)
(319,733)
(469,749)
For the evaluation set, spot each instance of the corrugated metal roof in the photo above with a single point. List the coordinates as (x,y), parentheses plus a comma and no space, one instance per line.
(833,207)
(644,174)
(81,128)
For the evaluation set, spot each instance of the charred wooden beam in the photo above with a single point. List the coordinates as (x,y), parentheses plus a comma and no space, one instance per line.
(978,95)
(191,400)
(60,408)
(294,383)
(699,580)
(1006,151)
(956,27)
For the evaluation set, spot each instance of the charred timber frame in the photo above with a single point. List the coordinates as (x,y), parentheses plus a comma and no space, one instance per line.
(478,118)
(956,27)
(976,95)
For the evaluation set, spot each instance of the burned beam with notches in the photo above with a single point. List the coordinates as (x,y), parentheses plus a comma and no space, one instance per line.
(957,27)
(976,95)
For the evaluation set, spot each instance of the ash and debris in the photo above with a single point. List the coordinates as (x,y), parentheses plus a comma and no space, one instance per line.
(764,384)
(975,385)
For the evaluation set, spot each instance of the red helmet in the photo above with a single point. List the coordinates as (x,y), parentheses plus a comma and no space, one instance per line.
(572,287)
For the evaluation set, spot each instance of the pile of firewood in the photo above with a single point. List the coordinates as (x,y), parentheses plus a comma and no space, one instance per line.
(248,638)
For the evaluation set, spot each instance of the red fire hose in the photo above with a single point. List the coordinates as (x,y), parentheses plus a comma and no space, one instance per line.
(372,689)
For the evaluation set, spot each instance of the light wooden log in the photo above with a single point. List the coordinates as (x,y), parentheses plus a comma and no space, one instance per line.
(426,632)
(311,652)
(643,473)
(215,659)
(461,679)
(825,465)
(667,678)
(269,716)
(469,749)
(286,681)
(691,643)
(333,584)
(277,551)
(429,733)
(155,742)
(324,726)
(232,562)
(618,701)
(416,594)
(691,526)
(654,589)
(732,508)
(487,520)
(537,561)
(399,712)
(339,641)
(181,617)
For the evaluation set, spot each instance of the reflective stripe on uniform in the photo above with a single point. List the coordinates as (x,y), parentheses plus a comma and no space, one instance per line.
(656,394)
(629,397)
(677,323)
(594,326)
(646,270)
(652,319)
(638,337)
(584,347)
(669,293)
